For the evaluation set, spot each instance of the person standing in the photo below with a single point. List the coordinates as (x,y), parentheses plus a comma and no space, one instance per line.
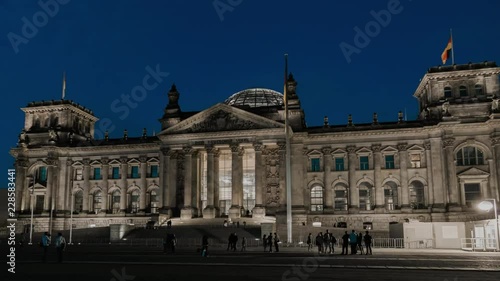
(353,238)
(360,241)
(368,242)
(60,246)
(333,241)
(270,242)
(45,243)
(173,243)
(264,241)
(326,242)
(276,242)
(309,242)
(204,246)
(235,241)
(345,242)
(319,242)
(243,244)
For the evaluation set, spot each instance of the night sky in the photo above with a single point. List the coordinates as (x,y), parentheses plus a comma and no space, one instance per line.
(212,49)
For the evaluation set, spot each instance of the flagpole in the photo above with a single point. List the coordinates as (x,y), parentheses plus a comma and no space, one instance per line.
(452,48)
(287,161)
(64,85)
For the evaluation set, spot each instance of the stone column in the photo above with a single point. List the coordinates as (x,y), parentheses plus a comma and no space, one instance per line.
(403,170)
(86,185)
(209,211)
(163,180)
(259,210)
(438,176)
(172,179)
(105,185)
(195,182)
(21,184)
(144,173)
(237,181)
(430,188)
(495,142)
(327,171)
(216,182)
(451,176)
(187,210)
(353,189)
(377,179)
(124,185)
(62,185)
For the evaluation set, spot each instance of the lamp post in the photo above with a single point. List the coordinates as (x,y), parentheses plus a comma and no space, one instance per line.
(486,205)
(31,186)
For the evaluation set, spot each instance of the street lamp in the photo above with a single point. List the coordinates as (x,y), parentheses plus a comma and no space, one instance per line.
(31,186)
(486,205)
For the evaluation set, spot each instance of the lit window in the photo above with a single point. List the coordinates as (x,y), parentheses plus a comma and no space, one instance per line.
(368,226)
(135,172)
(134,201)
(391,196)
(472,193)
(415,160)
(315,164)
(470,156)
(364,199)
(42,175)
(363,163)
(339,164)
(389,161)
(317,199)
(116,201)
(79,174)
(341,199)
(417,195)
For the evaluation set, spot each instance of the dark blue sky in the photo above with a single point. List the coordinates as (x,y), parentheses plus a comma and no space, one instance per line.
(105,47)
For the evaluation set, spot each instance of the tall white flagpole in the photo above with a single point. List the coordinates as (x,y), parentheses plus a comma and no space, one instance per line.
(64,85)
(287,160)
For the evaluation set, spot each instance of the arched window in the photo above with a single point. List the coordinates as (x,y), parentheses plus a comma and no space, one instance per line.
(365,196)
(97,203)
(78,204)
(134,201)
(470,156)
(317,199)
(478,89)
(115,201)
(463,91)
(36,123)
(447,92)
(153,201)
(391,195)
(340,197)
(417,195)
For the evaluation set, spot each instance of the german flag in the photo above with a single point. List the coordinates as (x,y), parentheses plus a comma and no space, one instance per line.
(447,51)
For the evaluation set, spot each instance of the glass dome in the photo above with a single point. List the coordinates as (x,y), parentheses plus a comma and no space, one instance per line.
(256,97)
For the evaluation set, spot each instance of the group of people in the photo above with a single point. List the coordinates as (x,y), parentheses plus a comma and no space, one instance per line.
(326,243)
(270,241)
(233,240)
(60,245)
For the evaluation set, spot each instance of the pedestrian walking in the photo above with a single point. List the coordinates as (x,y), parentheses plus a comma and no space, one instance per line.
(60,246)
(270,242)
(326,242)
(333,241)
(353,238)
(173,243)
(243,244)
(360,241)
(204,246)
(309,242)
(264,241)
(319,242)
(45,243)
(276,242)
(368,243)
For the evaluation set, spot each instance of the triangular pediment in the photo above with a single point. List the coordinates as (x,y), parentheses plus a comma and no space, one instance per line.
(416,148)
(389,149)
(314,153)
(473,172)
(222,117)
(114,162)
(339,151)
(363,150)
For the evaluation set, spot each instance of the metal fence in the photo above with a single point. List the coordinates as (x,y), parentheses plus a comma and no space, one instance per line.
(479,244)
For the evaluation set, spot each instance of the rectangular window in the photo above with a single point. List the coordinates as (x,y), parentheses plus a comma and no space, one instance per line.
(472,193)
(341,200)
(154,171)
(79,174)
(97,173)
(389,161)
(368,226)
(42,175)
(116,172)
(135,172)
(364,200)
(339,164)
(363,163)
(315,165)
(415,160)
(39,200)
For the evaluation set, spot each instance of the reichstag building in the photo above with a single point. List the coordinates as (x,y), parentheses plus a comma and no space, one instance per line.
(229,161)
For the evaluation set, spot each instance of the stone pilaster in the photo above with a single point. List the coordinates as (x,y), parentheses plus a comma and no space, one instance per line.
(210,212)
(377,178)
(353,190)
(438,176)
(105,185)
(172,180)
(259,210)
(86,185)
(187,210)
(62,179)
(403,170)
(21,183)
(124,184)
(495,142)
(163,180)
(143,187)
(451,176)
(327,171)
(429,196)
(216,182)
(237,181)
